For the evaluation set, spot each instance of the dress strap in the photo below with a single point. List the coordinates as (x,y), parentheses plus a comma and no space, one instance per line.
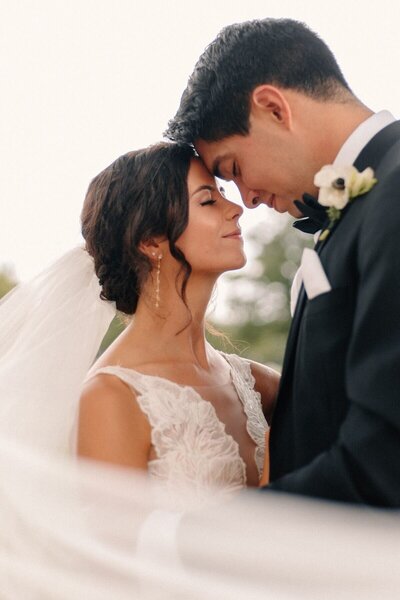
(244,382)
(160,399)
(134,379)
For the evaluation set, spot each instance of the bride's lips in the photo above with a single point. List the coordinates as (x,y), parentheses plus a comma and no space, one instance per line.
(236,235)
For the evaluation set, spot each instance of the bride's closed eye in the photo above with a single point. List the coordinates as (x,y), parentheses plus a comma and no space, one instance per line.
(208,202)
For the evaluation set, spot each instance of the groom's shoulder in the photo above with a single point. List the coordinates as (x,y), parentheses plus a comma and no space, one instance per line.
(391,159)
(381,206)
(388,174)
(387,145)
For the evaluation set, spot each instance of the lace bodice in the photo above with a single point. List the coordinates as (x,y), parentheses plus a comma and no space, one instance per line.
(193,449)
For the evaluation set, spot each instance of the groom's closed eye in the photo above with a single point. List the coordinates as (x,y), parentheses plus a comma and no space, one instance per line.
(224,171)
(218,169)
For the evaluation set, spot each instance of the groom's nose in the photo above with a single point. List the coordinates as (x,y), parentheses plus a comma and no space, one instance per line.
(250,198)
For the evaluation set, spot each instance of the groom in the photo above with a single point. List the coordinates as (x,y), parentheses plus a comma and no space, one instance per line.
(267,107)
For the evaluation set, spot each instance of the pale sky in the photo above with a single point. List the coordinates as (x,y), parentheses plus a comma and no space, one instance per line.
(84,81)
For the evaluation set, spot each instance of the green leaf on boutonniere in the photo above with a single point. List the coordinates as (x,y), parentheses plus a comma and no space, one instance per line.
(334,214)
(324,235)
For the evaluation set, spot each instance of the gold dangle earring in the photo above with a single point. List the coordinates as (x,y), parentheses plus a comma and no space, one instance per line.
(158,270)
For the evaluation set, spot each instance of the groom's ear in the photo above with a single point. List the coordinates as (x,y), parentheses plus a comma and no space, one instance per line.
(269,101)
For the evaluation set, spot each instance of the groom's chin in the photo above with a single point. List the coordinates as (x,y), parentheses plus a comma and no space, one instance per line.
(285,205)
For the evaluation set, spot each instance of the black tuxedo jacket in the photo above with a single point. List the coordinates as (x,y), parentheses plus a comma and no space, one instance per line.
(335,433)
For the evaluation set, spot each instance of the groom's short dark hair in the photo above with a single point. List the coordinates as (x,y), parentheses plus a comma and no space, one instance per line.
(281,52)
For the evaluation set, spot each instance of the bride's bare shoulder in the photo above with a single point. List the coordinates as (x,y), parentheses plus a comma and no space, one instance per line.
(111,424)
(104,385)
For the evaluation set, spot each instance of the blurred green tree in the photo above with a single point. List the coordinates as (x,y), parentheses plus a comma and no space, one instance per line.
(7,280)
(116,327)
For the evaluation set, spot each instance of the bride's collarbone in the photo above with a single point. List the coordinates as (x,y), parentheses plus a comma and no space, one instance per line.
(179,372)
(184,373)
(177,369)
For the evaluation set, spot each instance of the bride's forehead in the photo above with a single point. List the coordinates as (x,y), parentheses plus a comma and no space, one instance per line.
(198,174)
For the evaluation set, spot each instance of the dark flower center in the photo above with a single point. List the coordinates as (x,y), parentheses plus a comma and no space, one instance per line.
(339,184)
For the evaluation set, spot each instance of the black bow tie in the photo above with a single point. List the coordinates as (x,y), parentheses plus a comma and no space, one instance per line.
(314,213)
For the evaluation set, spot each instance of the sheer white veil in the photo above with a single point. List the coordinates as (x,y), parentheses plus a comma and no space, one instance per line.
(51,330)
(73,530)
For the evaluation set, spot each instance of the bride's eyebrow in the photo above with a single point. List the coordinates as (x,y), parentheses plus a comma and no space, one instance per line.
(211,188)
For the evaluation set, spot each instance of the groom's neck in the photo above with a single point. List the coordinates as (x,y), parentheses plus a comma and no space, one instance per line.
(337,121)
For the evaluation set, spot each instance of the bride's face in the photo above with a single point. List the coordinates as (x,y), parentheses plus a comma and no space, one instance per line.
(211,242)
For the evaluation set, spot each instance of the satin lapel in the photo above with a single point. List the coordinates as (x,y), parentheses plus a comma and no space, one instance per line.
(370,156)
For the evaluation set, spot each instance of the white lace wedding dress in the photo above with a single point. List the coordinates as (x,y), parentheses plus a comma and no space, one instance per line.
(193,450)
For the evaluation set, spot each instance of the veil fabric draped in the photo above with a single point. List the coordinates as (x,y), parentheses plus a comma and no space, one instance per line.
(71,530)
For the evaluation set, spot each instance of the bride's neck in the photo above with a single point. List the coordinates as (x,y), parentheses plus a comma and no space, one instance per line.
(176,329)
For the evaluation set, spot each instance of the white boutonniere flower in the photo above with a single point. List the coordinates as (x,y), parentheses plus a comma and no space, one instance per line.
(339,186)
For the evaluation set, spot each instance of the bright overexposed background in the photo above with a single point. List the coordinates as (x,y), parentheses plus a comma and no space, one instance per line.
(84,81)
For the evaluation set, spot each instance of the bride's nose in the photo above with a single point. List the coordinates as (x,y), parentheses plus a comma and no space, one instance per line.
(234,211)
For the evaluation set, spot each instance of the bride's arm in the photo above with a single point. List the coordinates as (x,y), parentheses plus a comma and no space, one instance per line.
(113,429)
(111,426)
(266,383)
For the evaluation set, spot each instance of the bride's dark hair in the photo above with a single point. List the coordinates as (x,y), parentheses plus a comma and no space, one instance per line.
(143,194)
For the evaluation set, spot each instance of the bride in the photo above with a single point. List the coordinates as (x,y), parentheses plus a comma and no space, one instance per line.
(161,398)
(158,234)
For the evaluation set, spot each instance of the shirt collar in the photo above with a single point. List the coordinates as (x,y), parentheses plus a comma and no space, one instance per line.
(360,137)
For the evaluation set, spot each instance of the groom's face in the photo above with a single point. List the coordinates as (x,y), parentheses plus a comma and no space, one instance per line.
(268,165)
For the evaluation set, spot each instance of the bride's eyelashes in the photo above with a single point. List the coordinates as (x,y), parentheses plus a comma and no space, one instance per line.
(211,200)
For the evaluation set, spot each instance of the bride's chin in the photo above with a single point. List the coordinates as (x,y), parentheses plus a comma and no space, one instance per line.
(238,264)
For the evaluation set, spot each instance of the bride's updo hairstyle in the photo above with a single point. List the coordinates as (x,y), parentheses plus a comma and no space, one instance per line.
(143,194)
